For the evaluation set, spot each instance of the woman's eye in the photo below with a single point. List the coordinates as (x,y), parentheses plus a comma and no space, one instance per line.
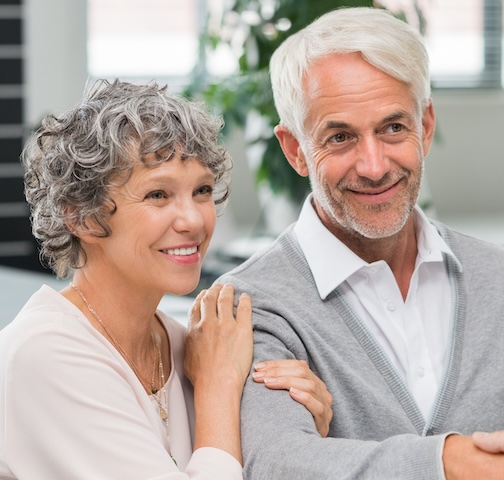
(156,195)
(204,190)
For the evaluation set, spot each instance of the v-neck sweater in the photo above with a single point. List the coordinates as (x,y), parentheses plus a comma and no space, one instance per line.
(377,431)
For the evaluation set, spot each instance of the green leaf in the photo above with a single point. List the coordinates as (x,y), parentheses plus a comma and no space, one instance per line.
(235,96)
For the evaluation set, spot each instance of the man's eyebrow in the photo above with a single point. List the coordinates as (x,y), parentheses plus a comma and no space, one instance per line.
(335,124)
(394,117)
(397,116)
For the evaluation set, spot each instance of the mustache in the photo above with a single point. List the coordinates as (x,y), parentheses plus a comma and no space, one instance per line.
(390,178)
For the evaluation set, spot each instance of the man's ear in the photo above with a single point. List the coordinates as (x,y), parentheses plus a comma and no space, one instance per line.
(428,127)
(292,150)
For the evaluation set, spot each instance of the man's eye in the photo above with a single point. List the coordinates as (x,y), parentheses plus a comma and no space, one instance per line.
(395,128)
(339,137)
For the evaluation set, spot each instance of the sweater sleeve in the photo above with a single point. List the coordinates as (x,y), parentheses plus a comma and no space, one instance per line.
(72,410)
(280,440)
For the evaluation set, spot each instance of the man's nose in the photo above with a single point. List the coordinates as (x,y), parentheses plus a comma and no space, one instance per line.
(371,160)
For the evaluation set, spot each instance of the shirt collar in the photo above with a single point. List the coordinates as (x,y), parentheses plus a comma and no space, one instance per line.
(332,262)
(431,246)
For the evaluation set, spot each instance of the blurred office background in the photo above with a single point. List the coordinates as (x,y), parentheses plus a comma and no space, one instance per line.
(51,49)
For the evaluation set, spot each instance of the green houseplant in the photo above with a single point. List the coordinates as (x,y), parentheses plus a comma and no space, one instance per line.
(253,30)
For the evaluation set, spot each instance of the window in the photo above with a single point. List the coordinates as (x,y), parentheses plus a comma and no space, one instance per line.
(142,40)
(463,38)
(159,39)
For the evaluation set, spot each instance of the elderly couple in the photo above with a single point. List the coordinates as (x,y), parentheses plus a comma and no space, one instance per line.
(378,333)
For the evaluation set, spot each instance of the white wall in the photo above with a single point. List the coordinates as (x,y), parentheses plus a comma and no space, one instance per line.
(465,168)
(55,56)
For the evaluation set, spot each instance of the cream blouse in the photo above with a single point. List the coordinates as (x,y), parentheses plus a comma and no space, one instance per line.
(72,408)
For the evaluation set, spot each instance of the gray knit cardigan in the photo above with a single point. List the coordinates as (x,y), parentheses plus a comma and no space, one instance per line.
(377,431)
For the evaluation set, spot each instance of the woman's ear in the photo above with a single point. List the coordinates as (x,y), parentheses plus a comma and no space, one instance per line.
(88,232)
(292,150)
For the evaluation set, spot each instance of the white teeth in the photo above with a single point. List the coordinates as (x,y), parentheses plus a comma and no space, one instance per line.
(181,251)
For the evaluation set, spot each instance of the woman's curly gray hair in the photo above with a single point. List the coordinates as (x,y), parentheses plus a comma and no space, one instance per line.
(71,161)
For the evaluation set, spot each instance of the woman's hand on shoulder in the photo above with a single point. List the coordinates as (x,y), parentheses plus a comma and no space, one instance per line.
(303,385)
(219,343)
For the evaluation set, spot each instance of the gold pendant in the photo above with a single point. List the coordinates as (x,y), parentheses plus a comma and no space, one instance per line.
(163,414)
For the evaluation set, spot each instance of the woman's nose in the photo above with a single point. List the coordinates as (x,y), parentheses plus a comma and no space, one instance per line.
(188,216)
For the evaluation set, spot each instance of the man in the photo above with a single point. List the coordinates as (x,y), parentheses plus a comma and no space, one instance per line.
(399,315)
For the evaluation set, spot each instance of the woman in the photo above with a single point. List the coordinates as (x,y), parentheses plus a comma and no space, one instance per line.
(123,190)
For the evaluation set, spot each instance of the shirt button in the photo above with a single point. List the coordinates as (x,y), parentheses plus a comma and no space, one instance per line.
(391,306)
(420,371)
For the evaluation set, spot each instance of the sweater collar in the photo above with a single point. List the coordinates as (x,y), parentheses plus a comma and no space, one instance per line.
(332,262)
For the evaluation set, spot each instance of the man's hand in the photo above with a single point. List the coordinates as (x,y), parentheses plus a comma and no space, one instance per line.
(489,442)
(463,460)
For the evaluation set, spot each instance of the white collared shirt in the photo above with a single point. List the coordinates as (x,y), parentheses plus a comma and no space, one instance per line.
(413,333)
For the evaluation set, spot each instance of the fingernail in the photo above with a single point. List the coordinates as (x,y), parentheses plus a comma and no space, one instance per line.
(270,380)
(260,366)
(258,375)
(294,391)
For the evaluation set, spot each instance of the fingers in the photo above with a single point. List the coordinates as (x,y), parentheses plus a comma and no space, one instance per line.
(218,346)
(225,302)
(312,394)
(244,311)
(322,413)
(489,442)
(311,385)
(285,382)
(209,303)
(282,374)
(217,303)
(205,306)
(195,312)
(303,386)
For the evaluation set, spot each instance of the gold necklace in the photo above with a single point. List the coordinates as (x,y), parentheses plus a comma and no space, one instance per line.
(162,401)
(129,360)
(163,410)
